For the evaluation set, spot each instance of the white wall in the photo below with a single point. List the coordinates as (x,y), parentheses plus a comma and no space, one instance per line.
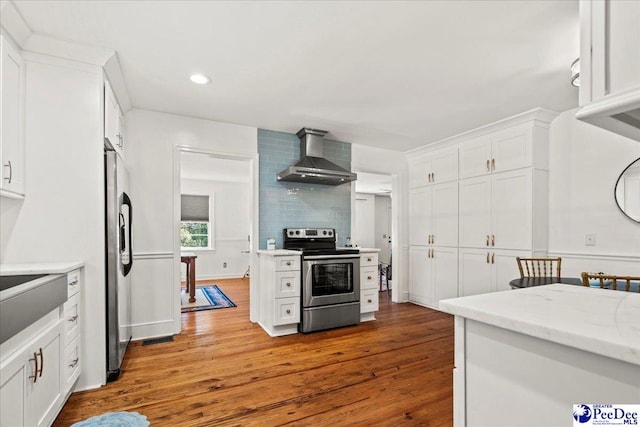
(151,153)
(585,162)
(231,217)
(62,216)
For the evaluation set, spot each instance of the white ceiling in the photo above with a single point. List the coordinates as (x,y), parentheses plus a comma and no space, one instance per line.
(389,74)
(210,168)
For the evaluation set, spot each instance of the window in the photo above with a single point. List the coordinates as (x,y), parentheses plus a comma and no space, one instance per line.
(195,226)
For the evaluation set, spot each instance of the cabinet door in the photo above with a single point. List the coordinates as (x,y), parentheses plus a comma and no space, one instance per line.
(44,393)
(475,157)
(444,208)
(511,217)
(475,272)
(511,148)
(505,268)
(419,216)
(444,165)
(420,289)
(419,172)
(445,273)
(12,118)
(475,211)
(13,379)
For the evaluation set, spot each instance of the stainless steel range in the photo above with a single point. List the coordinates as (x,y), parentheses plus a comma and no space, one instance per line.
(330,279)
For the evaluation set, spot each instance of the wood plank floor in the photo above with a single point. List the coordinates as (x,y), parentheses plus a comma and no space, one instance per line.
(224,370)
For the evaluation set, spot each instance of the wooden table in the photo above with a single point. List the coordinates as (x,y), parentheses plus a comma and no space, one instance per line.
(189,258)
(527,282)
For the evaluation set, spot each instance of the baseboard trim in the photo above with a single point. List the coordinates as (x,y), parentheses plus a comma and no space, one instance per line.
(143,331)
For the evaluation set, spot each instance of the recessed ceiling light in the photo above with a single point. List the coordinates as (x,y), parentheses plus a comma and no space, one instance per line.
(200,79)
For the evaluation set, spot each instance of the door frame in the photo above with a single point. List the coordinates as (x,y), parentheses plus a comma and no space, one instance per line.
(252,160)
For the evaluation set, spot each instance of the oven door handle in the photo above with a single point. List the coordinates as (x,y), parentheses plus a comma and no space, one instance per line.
(314,257)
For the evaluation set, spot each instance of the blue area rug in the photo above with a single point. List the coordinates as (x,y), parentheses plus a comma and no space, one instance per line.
(216,298)
(115,419)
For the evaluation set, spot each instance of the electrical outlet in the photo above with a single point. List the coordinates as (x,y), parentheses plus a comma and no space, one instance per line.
(224,265)
(590,239)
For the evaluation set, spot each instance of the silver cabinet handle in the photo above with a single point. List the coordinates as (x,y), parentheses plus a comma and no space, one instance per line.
(369,301)
(288,284)
(369,277)
(73,282)
(288,262)
(493,258)
(288,311)
(73,318)
(8,179)
(493,240)
(369,259)
(74,362)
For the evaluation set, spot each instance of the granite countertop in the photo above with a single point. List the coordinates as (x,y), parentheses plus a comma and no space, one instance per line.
(599,321)
(40,268)
(278,252)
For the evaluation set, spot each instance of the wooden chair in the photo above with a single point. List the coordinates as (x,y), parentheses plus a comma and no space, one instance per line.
(609,281)
(539,267)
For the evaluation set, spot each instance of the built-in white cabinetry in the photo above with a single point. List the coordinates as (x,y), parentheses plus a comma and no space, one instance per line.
(610,65)
(12,108)
(433,274)
(113,119)
(465,235)
(369,285)
(487,270)
(434,167)
(40,365)
(279,292)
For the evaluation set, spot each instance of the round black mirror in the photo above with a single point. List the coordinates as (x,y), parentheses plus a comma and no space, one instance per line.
(627,191)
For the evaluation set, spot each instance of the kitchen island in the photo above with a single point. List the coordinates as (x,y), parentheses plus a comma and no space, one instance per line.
(524,357)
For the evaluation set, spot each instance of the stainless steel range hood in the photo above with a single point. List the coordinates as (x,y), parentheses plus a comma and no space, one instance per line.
(312,167)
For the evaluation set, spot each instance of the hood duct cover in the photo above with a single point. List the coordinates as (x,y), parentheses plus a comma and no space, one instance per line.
(313,168)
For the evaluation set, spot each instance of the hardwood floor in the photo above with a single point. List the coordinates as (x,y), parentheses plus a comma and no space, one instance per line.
(224,370)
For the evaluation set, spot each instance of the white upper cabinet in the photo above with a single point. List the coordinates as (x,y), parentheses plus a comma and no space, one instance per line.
(113,119)
(435,167)
(503,150)
(610,65)
(12,90)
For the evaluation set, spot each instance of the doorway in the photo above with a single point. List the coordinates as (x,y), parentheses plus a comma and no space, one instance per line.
(215,216)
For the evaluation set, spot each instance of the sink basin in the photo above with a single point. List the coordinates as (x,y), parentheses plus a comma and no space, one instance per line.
(26,298)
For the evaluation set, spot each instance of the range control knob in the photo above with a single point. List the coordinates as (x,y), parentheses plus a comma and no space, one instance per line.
(330,233)
(324,232)
(297,232)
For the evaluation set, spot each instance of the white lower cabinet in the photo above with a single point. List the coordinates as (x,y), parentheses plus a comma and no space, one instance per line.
(369,285)
(433,274)
(31,386)
(279,293)
(485,270)
(40,367)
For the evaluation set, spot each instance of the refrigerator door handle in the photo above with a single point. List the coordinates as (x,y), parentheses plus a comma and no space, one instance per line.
(121,227)
(127,201)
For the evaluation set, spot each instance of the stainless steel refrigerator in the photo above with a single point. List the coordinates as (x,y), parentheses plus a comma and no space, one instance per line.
(119,260)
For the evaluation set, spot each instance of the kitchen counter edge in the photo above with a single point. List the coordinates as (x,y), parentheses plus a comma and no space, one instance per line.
(40,268)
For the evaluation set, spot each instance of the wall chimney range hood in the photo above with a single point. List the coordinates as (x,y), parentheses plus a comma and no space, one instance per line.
(313,168)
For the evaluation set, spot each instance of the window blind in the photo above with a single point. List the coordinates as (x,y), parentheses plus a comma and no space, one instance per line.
(194,208)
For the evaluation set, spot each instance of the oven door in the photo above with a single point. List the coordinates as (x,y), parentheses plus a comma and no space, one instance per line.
(330,279)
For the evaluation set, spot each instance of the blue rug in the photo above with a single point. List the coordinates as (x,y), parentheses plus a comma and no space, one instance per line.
(115,419)
(216,298)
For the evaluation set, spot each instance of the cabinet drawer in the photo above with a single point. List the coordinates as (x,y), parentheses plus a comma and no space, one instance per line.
(71,318)
(369,259)
(287,284)
(287,263)
(286,310)
(71,364)
(368,300)
(73,283)
(369,278)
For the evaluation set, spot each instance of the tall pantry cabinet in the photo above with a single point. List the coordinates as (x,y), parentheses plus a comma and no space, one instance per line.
(465,233)
(433,226)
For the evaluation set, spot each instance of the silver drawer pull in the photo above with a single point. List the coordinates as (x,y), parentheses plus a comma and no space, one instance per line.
(288,284)
(369,301)
(369,277)
(73,282)
(369,259)
(288,262)
(73,318)
(288,311)
(74,362)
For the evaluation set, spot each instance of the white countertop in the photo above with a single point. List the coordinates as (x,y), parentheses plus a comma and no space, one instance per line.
(363,250)
(596,320)
(39,268)
(278,252)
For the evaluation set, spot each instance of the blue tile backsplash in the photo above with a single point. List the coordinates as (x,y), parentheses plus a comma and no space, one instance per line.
(292,204)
